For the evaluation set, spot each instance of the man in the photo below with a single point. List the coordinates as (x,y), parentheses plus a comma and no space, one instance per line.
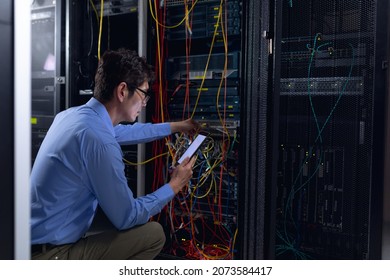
(79,165)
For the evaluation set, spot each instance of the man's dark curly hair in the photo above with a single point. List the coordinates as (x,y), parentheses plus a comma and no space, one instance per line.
(120,66)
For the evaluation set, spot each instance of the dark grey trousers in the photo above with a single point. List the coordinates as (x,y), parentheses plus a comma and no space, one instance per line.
(140,243)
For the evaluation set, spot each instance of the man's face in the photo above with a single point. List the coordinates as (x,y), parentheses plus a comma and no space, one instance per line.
(133,105)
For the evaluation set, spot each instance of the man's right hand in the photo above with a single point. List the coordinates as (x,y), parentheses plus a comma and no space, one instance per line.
(182,174)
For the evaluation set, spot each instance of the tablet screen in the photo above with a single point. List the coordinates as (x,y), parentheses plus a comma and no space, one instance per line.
(193,147)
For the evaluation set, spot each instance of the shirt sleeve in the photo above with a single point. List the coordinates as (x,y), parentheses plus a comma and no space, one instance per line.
(140,132)
(108,182)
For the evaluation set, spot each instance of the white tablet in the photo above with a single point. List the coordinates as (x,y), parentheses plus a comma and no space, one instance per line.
(193,147)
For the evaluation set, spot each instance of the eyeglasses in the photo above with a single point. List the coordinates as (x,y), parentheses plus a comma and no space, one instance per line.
(146,95)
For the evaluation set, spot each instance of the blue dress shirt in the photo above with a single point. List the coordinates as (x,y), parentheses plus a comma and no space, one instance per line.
(79,165)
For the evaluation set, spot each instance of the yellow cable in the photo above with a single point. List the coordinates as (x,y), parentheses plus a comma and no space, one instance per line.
(234,241)
(213,183)
(223,78)
(207,63)
(100,27)
(96,13)
(144,162)
(173,26)
(210,257)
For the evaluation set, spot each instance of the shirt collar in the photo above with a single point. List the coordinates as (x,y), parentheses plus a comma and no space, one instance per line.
(101,110)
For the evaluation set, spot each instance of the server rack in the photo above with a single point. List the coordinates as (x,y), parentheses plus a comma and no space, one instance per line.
(198,61)
(331,129)
(47,66)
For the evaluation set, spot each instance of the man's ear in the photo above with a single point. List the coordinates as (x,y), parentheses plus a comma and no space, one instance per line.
(120,91)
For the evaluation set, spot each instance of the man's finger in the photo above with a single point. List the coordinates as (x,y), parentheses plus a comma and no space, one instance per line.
(185,161)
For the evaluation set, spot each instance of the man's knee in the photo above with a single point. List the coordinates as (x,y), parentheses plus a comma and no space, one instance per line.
(157,233)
